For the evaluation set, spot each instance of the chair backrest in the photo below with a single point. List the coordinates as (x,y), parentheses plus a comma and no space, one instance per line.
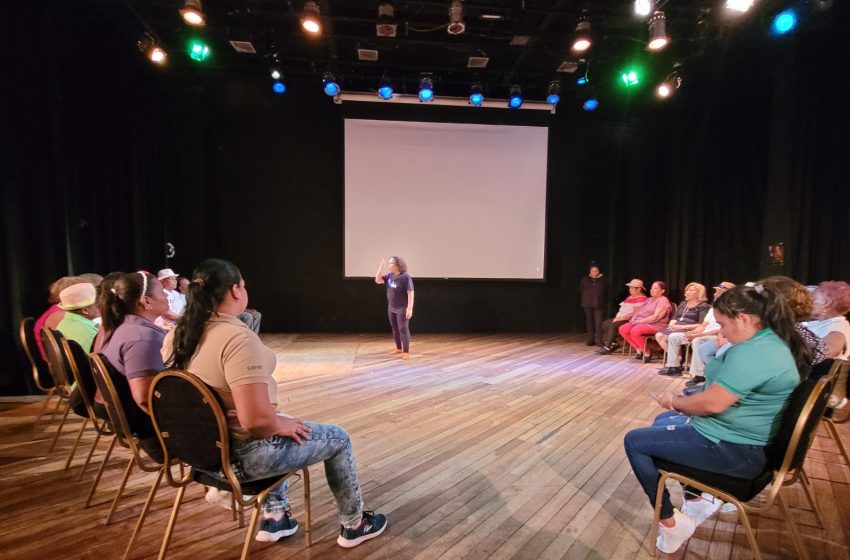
(81,371)
(115,391)
(56,362)
(40,374)
(190,422)
(799,423)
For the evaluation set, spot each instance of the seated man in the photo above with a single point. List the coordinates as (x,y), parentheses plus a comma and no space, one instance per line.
(176,300)
(627,308)
(78,303)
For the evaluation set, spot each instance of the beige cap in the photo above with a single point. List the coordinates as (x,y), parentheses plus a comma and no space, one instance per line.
(77,296)
(635,283)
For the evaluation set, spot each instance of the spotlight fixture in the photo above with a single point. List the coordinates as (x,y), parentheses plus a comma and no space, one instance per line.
(589,102)
(476,95)
(198,50)
(670,84)
(385,92)
(739,6)
(515,97)
(581,38)
(657,32)
(630,77)
(310,21)
(275,73)
(553,92)
(386,25)
(278,87)
(330,85)
(426,89)
(193,14)
(784,22)
(584,69)
(456,25)
(643,7)
(152,50)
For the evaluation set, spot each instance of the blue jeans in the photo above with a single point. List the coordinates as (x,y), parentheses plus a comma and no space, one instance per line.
(672,438)
(276,455)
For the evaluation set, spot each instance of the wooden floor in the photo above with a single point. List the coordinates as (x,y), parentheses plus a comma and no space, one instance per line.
(491,446)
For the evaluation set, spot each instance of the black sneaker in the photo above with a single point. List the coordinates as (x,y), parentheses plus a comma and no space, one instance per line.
(372,525)
(638,356)
(697,379)
(604,350)
(272,530)
(670,371)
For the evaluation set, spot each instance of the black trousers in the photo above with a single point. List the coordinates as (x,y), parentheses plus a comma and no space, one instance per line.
(609,331)
(593,317)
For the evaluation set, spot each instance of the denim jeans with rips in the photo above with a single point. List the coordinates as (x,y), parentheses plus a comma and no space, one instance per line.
(276,455)
(673,438)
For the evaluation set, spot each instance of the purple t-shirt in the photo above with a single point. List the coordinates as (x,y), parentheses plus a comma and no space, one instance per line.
(134,347)
(397,288)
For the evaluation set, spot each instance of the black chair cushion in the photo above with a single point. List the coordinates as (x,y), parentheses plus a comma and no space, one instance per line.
(249,488)
(137,419)
(742,488)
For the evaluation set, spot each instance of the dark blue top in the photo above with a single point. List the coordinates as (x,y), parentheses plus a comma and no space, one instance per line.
(397,288)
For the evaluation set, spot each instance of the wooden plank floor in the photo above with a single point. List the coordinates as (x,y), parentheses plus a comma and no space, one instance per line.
(480,447)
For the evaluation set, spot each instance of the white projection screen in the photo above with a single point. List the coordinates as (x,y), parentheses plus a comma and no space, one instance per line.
(454,200)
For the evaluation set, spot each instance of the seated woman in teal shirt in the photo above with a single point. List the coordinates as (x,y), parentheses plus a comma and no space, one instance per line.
(725,428)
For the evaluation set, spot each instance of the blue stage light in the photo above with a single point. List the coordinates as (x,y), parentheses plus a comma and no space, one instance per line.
(476,95)
(385,92)
(590,104)
(278,87)
(330,85)
(426,90)
(582,81)
(515,97)
(784,22)
(553,99)
(553,92)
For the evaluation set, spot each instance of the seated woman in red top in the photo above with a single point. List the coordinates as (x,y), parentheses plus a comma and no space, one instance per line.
(650,318)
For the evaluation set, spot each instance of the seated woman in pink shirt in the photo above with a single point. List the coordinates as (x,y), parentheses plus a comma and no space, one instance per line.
(54,314)
(650,318)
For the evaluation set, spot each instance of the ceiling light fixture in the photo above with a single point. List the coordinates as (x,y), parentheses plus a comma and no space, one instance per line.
(192,13)
(386,25)
(581,39)
(643,7)
(740,6)
(456,25)
(156,54)
(310,18)
(657,32)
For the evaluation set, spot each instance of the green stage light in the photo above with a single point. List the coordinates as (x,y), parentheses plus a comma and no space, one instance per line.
(630,77)
(198,50)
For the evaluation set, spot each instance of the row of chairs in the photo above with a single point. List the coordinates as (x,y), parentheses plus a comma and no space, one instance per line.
(188,418)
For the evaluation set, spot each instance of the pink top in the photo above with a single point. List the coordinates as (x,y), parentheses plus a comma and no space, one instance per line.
(648,309)
(39,324)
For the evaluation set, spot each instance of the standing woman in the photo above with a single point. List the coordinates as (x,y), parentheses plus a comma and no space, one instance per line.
(400,301)
(593,290)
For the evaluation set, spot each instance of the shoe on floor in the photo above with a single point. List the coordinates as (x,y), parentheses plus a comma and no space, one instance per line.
(694,381)
(396,351)
(670,371)
(604,350)
(701,509)
(670,539)
(639,356)
(728,508)
(372,525)
(405,355)
(272,530)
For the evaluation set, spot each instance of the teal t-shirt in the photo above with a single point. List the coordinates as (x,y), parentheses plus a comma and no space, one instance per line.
(78,328)
(761,372)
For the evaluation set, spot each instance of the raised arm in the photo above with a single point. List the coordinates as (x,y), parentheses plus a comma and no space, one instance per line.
(379,279)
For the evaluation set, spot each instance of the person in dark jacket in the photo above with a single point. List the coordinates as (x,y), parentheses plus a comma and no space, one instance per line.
(593,289)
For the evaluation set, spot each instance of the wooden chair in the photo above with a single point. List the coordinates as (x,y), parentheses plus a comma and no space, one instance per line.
(192,428)
(839,368)
(80,368)
(38,367)
(108,380)
(785,460)
(58,368)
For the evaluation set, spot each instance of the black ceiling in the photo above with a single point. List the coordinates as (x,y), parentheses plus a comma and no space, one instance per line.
(423,45)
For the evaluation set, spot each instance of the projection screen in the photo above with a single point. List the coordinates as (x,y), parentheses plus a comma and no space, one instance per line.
(454,200)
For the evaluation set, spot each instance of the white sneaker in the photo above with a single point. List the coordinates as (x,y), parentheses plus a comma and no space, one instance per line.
(221,498)
(701,509)
(671,538)
(728,508)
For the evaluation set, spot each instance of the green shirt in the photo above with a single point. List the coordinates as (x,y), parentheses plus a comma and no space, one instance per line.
(759,371)
(78,328)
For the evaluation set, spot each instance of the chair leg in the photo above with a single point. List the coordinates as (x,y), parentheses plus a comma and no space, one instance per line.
(59,429)
(255,516)
(656,517)
(144,513)
(308,530)
(89,456)
(76,443)
(172,520)
(120,489)
(795,533)
(833,433)
(100,473)
(810,495)
(748,528)
(50,394)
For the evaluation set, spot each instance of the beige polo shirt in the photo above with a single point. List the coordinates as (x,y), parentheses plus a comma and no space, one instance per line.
(230,354)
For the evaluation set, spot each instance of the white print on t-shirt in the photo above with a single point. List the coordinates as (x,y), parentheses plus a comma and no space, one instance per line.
(393,284)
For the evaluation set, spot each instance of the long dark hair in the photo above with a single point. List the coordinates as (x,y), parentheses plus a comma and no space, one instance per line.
(774,312)
(210,283)
(119,294)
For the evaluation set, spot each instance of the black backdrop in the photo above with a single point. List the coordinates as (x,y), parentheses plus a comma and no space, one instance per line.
(105,159)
